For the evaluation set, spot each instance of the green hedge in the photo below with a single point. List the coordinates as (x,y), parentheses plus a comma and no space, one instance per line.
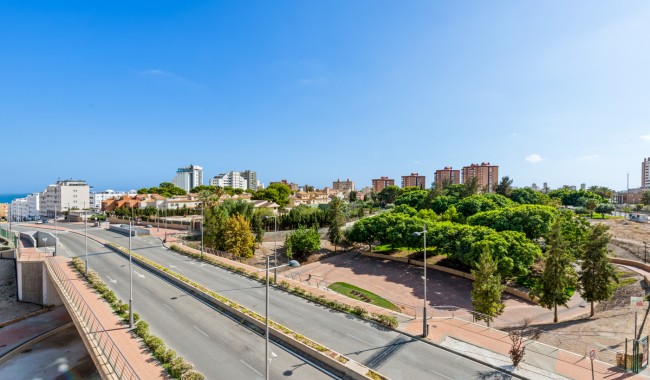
(177,367)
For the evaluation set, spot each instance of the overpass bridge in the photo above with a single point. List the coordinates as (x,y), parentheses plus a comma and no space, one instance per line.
(46,279)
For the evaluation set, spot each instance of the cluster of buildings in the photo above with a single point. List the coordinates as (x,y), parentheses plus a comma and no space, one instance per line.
(70,195)
(487,177)
(191,176)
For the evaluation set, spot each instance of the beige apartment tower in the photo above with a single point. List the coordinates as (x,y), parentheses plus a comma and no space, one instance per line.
(486,174)
(446,176)
(415,179)
(379,184)
(345,186)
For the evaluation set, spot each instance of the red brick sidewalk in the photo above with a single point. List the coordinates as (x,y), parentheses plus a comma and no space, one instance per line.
(138,357)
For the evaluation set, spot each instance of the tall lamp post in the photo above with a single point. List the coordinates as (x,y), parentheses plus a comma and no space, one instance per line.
(275,248)
(425,327)
(86,236)
(291,263)
(56,228)
(131,282)
(201,230)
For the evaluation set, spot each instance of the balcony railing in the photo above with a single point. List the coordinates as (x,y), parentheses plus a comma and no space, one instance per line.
(94,329)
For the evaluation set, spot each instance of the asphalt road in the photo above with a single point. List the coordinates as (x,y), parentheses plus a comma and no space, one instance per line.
(219,347)
(391,353)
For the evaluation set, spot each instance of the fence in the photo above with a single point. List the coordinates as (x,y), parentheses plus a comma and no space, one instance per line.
(95,330)
(11,236)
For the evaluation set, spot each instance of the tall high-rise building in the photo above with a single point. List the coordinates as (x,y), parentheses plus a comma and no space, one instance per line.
(446,176)
(645,173)
(63,196)
(346,185)
(415,179)
(487,175)
(251,179)
(188,177)
(378,184)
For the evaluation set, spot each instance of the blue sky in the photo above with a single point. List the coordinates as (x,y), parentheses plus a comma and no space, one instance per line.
(121,94)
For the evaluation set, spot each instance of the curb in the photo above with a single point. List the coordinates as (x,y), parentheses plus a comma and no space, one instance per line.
(13,352)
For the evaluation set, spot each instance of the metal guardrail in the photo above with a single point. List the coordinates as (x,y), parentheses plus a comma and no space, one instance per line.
(96,330)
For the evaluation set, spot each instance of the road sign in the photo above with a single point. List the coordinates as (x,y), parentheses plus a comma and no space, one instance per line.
(638,304)
(592,354)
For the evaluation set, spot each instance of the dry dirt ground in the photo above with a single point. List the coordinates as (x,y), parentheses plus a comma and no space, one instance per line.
(613,321)
(10,308)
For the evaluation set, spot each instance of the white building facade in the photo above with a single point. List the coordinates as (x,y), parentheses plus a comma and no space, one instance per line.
(23,209)
(63,196)
(188,177)
(230,179)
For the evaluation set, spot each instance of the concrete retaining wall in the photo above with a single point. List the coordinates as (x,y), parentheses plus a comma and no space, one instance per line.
(632,263)
(348,370)
(30,279)
(508,289)
(41,242)
(124,230)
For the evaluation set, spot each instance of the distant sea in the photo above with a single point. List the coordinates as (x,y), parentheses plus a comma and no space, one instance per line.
(7,198)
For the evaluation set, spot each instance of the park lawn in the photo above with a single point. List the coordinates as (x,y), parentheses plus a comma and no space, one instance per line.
(599,216)
(347,289)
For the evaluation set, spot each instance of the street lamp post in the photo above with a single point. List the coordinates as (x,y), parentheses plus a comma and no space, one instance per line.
(275,248)
(201,230)
(425,327)
(45,242)
(291,263)
(86,238)
(131,282)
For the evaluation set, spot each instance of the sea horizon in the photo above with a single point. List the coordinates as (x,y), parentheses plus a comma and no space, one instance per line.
(7,198)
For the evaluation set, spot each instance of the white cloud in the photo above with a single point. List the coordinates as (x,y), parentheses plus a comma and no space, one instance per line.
(589,157)
(534,158)
(645,137)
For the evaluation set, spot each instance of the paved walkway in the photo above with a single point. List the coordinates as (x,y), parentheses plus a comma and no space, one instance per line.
(135,354)
(18,333)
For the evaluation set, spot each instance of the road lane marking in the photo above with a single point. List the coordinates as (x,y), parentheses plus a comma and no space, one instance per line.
(139,275)
(167,306)
(111,280)
(199,330)
(359,339)
(175,268)
(251,368)
(440,374)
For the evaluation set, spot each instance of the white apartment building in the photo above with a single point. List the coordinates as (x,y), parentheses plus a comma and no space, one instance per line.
(63,196)
(188,177)
(230,179)
(97,197)
(28,208)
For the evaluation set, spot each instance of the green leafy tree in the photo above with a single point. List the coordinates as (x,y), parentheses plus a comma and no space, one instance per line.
(533,220)
(590,205)
(529,196)
(605,208)
(353,196)
(504,187)
(335,219)
(238,237)
(597,273)
(470,187)
(388,195)
(558,274)
(301,243)
(277,192)
(415,198)
(487,288)
(474,204)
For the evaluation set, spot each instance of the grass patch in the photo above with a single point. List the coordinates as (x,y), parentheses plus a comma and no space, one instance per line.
(362,295)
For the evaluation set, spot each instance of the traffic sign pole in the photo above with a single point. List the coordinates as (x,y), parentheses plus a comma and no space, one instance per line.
(592,356)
